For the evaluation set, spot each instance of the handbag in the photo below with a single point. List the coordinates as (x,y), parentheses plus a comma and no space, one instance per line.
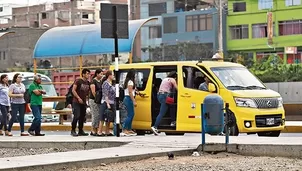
(109,115)
(170,98)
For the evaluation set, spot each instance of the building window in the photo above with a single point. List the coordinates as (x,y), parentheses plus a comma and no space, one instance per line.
(239,32)
(44,15)
(199,23)
(265,4)
(157,9)
(239,6)
(292,2)
(170,25)
(1,9)
(259,30)
(290,27)
(155,32)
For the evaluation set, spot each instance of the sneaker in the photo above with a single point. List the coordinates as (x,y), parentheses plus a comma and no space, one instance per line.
(74,134)
(39,134)
(32,133)
(173,123)
(154,130)
(82,133)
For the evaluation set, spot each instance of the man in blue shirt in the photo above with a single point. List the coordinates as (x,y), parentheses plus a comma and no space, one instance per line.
(204,86)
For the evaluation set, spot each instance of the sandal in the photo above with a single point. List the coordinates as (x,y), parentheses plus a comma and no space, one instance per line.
(109,135)
(100,135)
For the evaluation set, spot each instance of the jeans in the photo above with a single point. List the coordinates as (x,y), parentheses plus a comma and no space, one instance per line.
(163,108)
(79,113)
(130,110)
(36,125)
(4,111)
(15,109)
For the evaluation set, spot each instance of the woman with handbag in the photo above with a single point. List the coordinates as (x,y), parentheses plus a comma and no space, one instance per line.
(165,97)
(107,108)
(95,98)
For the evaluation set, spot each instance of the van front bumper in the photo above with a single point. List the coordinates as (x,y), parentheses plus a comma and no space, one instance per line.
(251,120)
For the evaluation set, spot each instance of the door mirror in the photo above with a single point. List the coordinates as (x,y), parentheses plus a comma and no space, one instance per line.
(211,87)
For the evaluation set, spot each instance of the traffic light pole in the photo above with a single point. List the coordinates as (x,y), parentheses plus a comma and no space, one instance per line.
(117,114)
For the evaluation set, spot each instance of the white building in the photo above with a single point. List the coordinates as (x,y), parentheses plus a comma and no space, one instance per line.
(6,11)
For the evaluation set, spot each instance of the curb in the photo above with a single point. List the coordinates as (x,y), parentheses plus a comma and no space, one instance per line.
(81,145)
(292,129)
(97,162)
(269,150)
(288,129)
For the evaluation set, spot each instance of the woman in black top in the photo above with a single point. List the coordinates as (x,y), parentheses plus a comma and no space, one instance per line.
(95,87)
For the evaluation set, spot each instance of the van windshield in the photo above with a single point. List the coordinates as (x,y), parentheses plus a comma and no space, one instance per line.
(49,88)
(237,78)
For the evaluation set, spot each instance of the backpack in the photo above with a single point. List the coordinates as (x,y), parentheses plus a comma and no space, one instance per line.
(121,94)
(69,96)
(98,96)
(27,96)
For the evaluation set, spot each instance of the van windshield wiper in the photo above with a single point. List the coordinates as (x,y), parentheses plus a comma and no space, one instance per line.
(255,87)
(237,87)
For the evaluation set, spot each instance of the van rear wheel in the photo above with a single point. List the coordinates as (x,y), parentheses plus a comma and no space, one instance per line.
(269,134)
(174,133)
(233,131)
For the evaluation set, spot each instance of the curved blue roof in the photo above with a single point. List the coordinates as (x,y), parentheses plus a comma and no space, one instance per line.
(82,40)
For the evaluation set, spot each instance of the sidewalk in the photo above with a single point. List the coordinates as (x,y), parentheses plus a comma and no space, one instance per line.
(139,147)
(290,126)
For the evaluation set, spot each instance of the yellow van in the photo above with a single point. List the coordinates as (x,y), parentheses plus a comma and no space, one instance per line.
(257,109)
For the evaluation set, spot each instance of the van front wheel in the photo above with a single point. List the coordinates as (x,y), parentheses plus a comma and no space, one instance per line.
(269,134)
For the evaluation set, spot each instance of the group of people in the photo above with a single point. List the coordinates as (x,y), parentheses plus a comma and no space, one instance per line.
(101,92)
(102,101)
(12,100)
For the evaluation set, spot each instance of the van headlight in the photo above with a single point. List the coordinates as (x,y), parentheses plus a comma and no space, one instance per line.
(280,102)
(245,102)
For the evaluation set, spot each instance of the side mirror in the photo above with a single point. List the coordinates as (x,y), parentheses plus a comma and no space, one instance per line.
(211,87)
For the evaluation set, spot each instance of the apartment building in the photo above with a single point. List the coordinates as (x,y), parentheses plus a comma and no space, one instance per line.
(260,28)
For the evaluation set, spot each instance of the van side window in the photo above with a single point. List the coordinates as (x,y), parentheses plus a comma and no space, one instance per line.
(141,78)
(193,77)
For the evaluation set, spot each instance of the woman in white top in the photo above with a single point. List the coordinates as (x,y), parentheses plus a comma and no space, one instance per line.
(129,101)
(4,103)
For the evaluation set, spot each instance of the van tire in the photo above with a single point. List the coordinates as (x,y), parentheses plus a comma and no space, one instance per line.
(233,131)
(269,134)
(174,133)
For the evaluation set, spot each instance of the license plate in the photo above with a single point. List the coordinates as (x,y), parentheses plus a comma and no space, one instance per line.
(270,121)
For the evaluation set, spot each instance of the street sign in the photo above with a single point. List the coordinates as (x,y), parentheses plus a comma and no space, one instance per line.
(290,50)
(107,16)
(114,24)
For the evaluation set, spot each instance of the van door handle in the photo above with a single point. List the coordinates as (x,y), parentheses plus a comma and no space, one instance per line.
(186,95)
(143,95)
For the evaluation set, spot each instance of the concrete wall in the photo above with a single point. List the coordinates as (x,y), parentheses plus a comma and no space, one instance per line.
(291,92)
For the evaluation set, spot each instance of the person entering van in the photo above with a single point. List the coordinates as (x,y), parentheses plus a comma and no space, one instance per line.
(129,101)
(80,91)
(16,92)
(165,90)
(95,100)
(4,103)
(36,91)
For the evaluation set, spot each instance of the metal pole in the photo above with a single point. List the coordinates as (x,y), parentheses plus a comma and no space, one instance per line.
(72,12)
(226,126)
(203,134)
(35,66)
(220,35)
(117,114)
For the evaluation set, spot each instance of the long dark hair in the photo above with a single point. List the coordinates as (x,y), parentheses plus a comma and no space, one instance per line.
(1,79)
(172,74)
(98,71)
(15,78)
(130,76)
